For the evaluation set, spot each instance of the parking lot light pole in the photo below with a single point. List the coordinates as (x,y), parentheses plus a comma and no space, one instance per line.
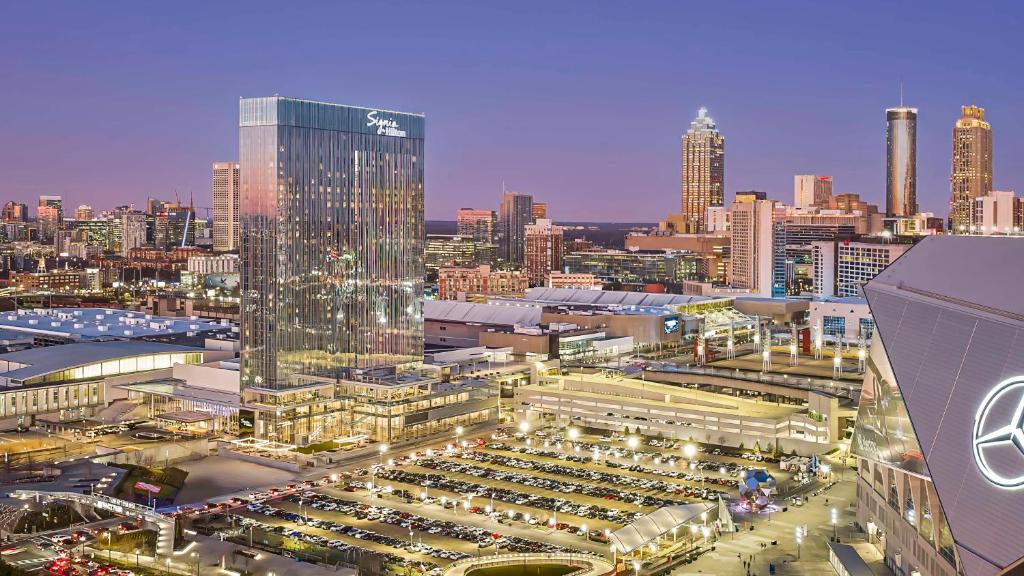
(835,526)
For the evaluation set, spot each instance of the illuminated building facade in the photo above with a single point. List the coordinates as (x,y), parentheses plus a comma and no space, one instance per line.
(225,206)
(901,162)
(332,235)
(703,180)
(972,166)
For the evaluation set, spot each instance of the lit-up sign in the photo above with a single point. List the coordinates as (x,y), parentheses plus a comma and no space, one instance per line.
(385,126)
(146,486)
(998,441)
(672,324)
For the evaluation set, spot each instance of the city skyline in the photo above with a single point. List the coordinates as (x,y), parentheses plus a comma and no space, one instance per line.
(550,148)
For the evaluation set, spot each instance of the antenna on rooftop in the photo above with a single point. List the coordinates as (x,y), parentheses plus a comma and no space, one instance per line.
(901,93)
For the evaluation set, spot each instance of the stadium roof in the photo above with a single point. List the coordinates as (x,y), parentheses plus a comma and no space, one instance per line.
(609,297)
(453,311)
(654,525)
(41,361)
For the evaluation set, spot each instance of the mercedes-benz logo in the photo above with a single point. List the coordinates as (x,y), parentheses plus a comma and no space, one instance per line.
(1005,429)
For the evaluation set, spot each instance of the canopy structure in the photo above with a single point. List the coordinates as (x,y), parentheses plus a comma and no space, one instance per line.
(649,528)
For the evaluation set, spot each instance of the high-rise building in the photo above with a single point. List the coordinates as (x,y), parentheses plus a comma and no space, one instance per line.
(545,248)
(810,190)
(84,212)
(901,162)
(480,225)
(540,211)
(331,231)
(751,219)
(703,181)
(994,213)
(155,206)
(514,215)
(133,231)
(841,268)
(174,227)
(972,166)
(50,215)
(15,212)
(225,206)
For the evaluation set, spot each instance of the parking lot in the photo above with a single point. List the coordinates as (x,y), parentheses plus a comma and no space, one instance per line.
(537,492)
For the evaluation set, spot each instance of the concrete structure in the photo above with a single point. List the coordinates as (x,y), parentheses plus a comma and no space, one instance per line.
(459,324)
(751,221)
(545,247)
(939,463)
(703,172)
(514,215)
(901,161)
(972,166)
(455,283)
(810,190)
(225,206)
(49,326)
(219,264)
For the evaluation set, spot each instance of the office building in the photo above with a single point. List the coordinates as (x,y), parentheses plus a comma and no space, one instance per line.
(938,465)
(901,162)
(751,219)
(332,195)
(847,318)
(175,227)
(811,191)
(540,211)
(133,231)
(841,268)
(576,280)
(455,283)
(514,215)
(480,225)
(225,206)
(636,267)
(84,212)
(545,247)
(716,220)
(50,216)
(972,166)
(703,172)
(460,251)
(994,213)
(15,212)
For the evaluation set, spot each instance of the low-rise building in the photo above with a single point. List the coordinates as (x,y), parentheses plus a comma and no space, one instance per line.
(455,282)
(574,280)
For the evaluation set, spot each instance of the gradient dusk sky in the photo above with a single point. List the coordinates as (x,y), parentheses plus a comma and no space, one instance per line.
(580,103)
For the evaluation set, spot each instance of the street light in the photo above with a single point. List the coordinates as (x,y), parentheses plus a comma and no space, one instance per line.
(835,527)
(690,451)
(524,426)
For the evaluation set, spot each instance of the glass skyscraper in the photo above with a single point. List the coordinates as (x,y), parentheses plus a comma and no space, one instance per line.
(901,162)
(332,236)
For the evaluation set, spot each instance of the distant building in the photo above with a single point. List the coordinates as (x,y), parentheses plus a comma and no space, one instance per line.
(540,211)
(545,247)
(995,213)
(455,282)
(480,225)
(810,191)
(515,214)
(716,219)
(847,318)
(703,172)
(581,281)
(133,231)
(443,250)
(214,264)
(751,219)
(638,266)
(901,161)
(225,206)
(841,268)
(84,212)
(972,166)
(15,212)
(50,216)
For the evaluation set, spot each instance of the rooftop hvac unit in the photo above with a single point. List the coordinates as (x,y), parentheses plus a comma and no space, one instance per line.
(193,318)
(33,321)
(193,326)
(100,317)
(79,325)
(234,329)
(224,321)
(129,333)
(149,316)
(102,327)
(77,312)
(54,324)
(191,333)
(12,318)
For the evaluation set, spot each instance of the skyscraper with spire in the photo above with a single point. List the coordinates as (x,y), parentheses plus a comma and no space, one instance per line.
(972,166)
(703,172)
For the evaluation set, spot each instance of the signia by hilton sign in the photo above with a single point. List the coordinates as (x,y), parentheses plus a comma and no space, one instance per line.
(998,441)
(385,126)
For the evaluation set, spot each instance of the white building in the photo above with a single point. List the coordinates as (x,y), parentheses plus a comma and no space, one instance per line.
(848,318)
(993,213)
(717,219)
(219,264)
(810,190)
(751,222)
(574,280)
(841,268)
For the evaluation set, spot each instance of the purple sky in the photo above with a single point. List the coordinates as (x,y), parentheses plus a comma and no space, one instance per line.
(580,103)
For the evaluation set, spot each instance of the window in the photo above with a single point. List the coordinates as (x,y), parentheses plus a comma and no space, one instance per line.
(834,325)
